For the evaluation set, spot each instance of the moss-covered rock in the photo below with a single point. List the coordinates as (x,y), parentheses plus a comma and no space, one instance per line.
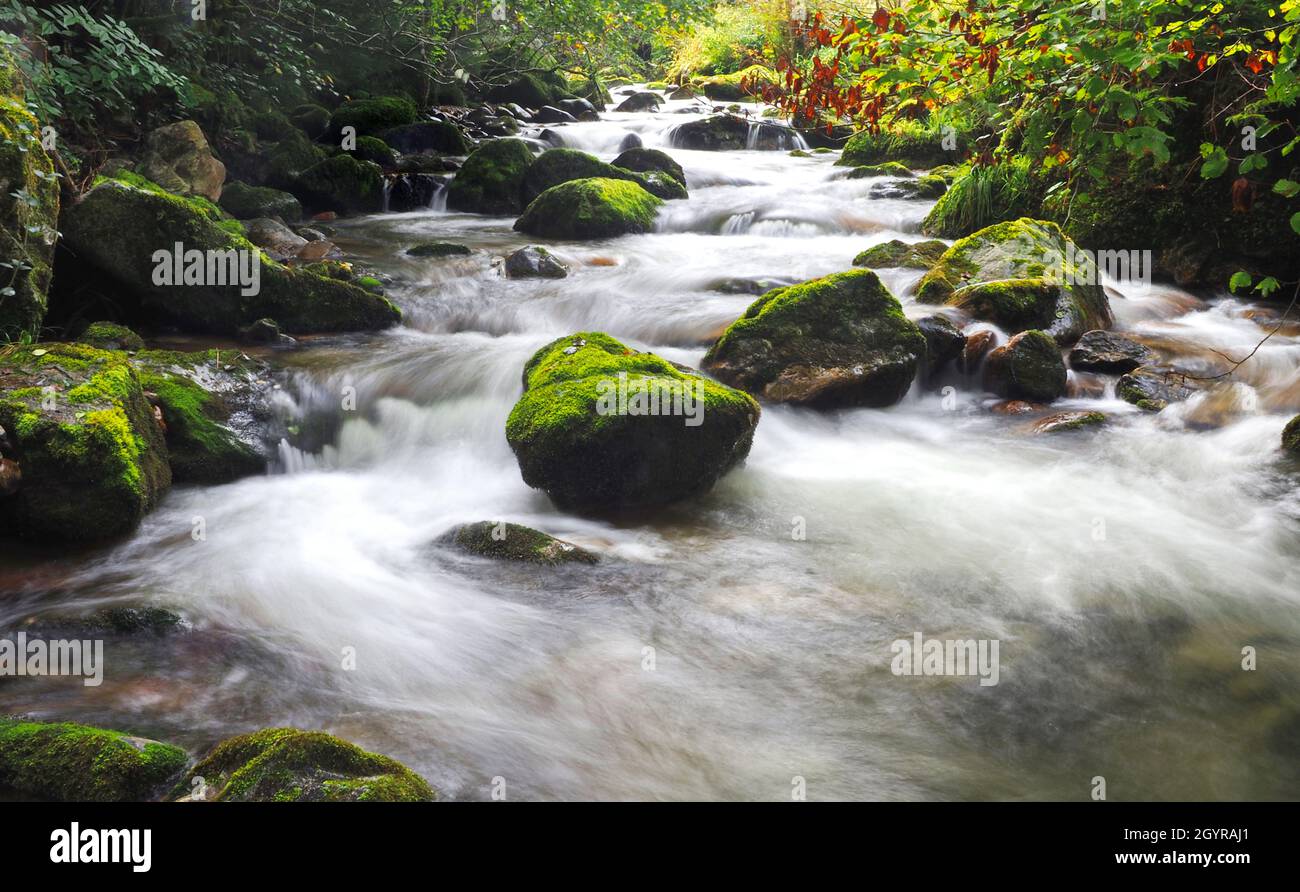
(491,181)
(342,183)
(743,84)
(372,116)
(427,136)
(601,427)
(515,542)
(310,118)
(438,249)
(284,161)
(198,394)
(76,763)
(289,765)
(590,208)
(1067,421)
(556,166)
(914,144)
(29,210)
(644,160)
(374,150)
(178,158)
(1152,388)
(534,262)
(92,454)
(1027,367)
(897,253)
(247,202)
(718,133)
(944,342)
(1291,436)
(841,340)
(1109,353)
(110,336)
(527,90)
(117,228)
(884,169)
(1036,277)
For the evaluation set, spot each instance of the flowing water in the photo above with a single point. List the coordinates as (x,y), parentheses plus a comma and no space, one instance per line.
(714,653)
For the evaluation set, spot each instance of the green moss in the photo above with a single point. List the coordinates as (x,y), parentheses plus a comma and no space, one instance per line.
(491,181)
(371,116)
(983,195)
(342,183)
(249,202)
(915,144)
(438,249)
(590,459)
(835,340)
(590,208)
(111,336)
(92,457)
(1029,367)
(1291,436)
(556,166)
(743,84)
(884,169)
(290,765)
(76,763)
(644,160)
(312,119)
(374,149)
(290,157)
(1012,304)
(515,542)
(898,253)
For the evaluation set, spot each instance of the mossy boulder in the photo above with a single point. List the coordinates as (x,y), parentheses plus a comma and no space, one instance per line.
(884,169)
(75,763)
(1291,436)
(841,340)
(603,428)
(374,150)
(29,210)
(342,183)
(491,181)
(556,166)
(1152,387)
(200,395)
(427,136)
(286,159)
(1027,367)
(438,249)
(90,450)
(290,765)
(911,143)
(110,336)
(310,118)
(738,85)
(1109,353)
(1036,276)
(907,255)
(178,158)
(515,542)
(718,133)
(1067,421)
(117,228)
(247,202)
(371,117)
(640,102)
(592,208)
(644,160)
(527,90)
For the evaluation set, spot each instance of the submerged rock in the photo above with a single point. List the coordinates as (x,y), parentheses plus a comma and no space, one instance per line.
(590,208)
(289,765)
(1021,275)
(602,428)
(214,407)
(1153,387)
(515,542)
(1067,421)
(178,158)
(1029,367)
(841,340)
(92,456)
(76,763)
(1104,351)
(492,179)
(118,227)
(897,253)
(534,262)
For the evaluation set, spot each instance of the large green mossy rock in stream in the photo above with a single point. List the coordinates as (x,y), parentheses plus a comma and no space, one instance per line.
(1291,436)
(91,454)
(491,181)
(75,763)
(841,340)
(744,84)
(911,143)
(1020,275)
(1027,367)
(900,254)
(645,160)
(516,542)
(214,406)
(117,228)
(289,765)
(371,117)
(29,210)
(342,183)
(593,208)
(602,428)
(556,166)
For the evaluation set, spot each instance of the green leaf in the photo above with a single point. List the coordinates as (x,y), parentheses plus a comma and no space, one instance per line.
(1295,223)
(1240,279)
(1287,188)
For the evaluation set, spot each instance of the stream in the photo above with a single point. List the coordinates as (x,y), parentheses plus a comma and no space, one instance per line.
(713,653)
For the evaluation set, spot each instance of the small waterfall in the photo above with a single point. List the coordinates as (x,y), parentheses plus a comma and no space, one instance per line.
(388,191)
(770,136)
(438,200)
(738,224)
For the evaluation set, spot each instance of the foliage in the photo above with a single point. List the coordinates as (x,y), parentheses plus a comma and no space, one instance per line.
(739,35)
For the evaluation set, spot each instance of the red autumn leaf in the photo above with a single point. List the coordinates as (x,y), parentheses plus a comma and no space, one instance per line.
(880,19)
